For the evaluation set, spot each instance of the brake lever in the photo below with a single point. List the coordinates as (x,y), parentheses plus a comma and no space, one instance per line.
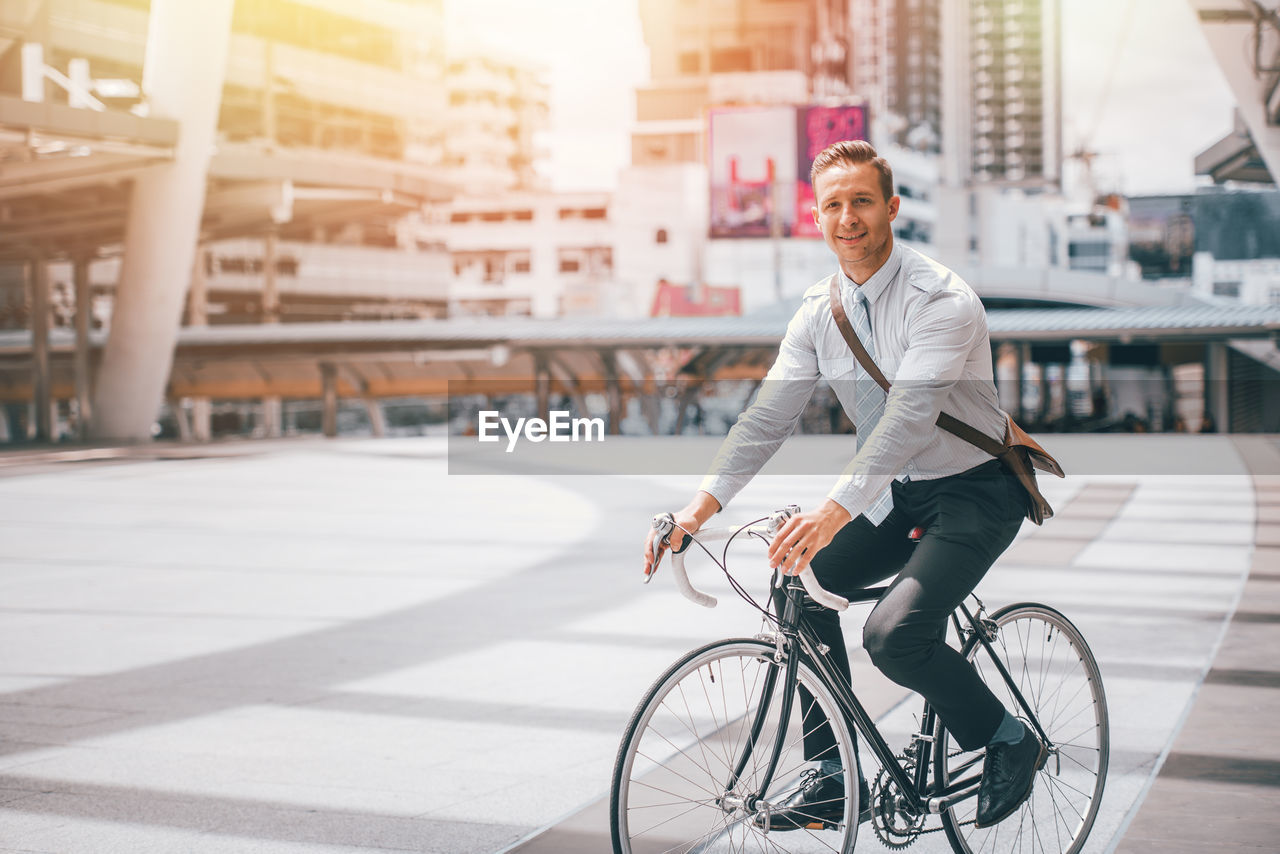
(664,524)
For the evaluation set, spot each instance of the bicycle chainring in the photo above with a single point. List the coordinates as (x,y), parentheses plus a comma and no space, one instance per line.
(896,827)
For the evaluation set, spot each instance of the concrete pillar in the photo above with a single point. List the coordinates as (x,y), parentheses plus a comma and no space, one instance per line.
(377,419)
(180,418)
(84,318)
(1005,366)
(272,410)
(182,79)
(201,419)
(561,372)
(201,415)
(329,393)
(542,384)
(41,401)
(1216,402)
(1024,359)
(272,417)
(613,391)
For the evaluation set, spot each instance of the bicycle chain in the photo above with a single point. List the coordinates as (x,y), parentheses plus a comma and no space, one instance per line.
(887,837)
(883,814)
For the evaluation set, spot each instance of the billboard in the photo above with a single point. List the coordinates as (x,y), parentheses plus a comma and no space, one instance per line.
(816,128)
(759,165)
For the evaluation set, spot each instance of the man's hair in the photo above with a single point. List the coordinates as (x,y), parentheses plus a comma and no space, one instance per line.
(851,152)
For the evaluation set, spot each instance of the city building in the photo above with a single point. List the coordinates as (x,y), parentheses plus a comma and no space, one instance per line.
(498,109)
(1245,40)
(1235,157)
(528,254)
(896,48)
(1210,238)
(328,113)
(1003,103)
(326,127)
(1098,240)
(728,125)
(706,53)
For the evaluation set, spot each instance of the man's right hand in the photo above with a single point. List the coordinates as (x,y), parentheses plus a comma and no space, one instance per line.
(690,518)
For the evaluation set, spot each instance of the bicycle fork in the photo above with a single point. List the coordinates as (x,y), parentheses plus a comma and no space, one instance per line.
(785,641)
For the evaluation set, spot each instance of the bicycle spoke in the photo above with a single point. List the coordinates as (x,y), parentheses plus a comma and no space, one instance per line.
(1058,782)
(668,820)
(701,742)
(717,725)
(669,770)
(1049,664)
(695,725)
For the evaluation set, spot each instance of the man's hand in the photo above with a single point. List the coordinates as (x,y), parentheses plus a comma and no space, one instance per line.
(800,538)
(691,518)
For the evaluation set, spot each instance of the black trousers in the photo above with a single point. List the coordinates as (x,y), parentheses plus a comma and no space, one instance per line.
(968,520)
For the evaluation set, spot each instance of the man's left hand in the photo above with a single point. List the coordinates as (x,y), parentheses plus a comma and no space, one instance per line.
(803,535)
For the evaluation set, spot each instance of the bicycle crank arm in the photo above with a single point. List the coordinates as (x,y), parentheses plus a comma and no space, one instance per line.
(940,805)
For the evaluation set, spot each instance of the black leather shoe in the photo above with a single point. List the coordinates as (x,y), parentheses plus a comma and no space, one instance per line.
(1008,773)
(816,803)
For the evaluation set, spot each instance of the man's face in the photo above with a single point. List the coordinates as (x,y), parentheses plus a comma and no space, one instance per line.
(855,217)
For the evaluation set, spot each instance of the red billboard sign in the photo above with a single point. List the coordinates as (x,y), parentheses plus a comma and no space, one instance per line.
(760,160)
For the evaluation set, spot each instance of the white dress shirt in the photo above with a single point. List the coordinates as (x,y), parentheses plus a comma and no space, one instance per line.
(931,343)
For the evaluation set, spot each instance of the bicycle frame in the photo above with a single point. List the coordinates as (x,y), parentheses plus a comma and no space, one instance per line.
(796,642)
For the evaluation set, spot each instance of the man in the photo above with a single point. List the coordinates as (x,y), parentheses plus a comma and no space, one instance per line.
(927,331)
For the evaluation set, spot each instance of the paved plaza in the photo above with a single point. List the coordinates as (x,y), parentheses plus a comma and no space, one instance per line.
(311,646)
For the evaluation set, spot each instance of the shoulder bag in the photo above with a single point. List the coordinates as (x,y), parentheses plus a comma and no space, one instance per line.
(1018,453)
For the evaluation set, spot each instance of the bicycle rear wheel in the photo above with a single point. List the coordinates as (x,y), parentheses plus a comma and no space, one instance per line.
(1055,671)
(674,786)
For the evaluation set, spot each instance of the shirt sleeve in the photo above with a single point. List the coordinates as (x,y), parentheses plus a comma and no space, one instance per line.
(940,335)
(766,424)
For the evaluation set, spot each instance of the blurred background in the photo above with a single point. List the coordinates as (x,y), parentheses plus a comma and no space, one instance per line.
(279,217)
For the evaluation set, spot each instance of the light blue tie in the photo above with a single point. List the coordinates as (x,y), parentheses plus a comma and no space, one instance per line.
(870,402)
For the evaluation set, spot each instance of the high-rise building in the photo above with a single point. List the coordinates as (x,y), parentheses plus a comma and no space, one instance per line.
(497,109)
(1003,105)
(742,95)
(896,53)
(721,52)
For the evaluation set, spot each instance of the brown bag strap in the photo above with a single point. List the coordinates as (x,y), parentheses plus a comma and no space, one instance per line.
(954,426)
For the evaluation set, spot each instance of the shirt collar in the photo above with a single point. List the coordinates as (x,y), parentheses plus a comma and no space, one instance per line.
(880,279)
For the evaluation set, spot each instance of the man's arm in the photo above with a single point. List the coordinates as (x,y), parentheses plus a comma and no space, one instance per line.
(759,433)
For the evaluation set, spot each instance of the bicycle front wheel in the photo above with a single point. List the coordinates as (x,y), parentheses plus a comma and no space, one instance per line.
(690,767)
(1056,673)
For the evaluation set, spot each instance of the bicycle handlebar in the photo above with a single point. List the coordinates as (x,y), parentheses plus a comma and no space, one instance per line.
(664,524)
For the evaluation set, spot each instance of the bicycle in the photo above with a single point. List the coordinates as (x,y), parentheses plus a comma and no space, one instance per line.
(715,742)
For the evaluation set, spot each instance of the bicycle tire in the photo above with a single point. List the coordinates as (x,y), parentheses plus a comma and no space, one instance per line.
(1055,670)
(686,733)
